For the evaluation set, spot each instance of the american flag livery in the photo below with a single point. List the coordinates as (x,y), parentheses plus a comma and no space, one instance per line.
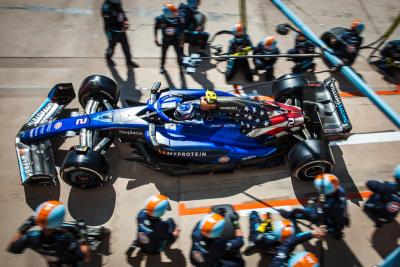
(268,117)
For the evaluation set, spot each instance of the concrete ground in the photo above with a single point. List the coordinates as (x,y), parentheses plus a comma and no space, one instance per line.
(45,42)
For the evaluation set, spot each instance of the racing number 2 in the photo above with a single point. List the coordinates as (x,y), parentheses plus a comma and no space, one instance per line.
(290,122)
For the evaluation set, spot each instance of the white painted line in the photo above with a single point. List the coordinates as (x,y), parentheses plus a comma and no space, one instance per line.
(264,210)
(368,138)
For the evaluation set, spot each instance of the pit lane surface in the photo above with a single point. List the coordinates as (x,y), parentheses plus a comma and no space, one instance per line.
(46,42)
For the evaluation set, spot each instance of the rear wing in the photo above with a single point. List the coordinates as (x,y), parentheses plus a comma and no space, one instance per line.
(36,159)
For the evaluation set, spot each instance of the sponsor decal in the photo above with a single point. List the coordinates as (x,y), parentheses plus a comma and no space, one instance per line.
(337,101)
(224,159)
(58,125)
(190,154)
(228,108)
(40,114)
(26,164)
(226,125)
(248,158)
(393,206)
(80,121)
(130,132)
(170,31)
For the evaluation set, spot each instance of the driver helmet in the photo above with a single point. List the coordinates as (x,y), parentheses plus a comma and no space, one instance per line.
(212,225)
(270,42)
(238,29)
(357,26)
(169,10)
(303,259)
(184,111)
(326,183)
(396,174)
(50,214)
(211,97)
(282,229)
(156,205)
(193,3)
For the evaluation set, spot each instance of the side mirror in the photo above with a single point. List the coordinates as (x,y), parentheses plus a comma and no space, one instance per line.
(283,29)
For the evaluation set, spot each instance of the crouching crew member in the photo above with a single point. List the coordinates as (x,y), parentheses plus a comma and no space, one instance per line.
(171,28)
(154,234)
(194,22)
(57,246)
(384,204)
(210,249)
(333,212)
(266,47)
(238,46)
(302,46)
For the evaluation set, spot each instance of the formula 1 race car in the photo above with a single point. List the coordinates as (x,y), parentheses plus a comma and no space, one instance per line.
(185,131)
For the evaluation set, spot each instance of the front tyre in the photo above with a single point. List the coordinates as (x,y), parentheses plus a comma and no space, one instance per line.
(84,168)
(309,158)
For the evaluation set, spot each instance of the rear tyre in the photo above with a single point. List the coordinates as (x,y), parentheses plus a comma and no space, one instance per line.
(84,168)
(309,158)
(98,87)
(288,86)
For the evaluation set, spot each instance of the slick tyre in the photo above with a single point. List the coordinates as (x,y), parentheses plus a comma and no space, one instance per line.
(84,168)
(98,87)
(288,86)
(309,158)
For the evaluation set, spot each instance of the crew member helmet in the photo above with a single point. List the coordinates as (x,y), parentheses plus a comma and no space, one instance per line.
(184,111)
(193,3)
(396,174)
(156,205)
(170,10)
(270,42)
(303,259)
(238,29)
(212,225)
(50,214)
(357,26)
(326,183)
(282,229)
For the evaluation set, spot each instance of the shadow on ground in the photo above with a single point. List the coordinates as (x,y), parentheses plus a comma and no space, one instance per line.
(127,87)
(175,256)
(384,240)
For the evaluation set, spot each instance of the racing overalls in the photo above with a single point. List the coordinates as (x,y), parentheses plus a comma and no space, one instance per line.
(390,61)
(115,28)
(212,252)
(239,46)
(384,204)
(171,29)
(284,250)
(266,64)
(347,46)
(334,213)
(59,249)
(193,30)
(154,234)
(305,63)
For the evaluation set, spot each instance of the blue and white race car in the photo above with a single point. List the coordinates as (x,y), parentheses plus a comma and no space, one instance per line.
(182,131)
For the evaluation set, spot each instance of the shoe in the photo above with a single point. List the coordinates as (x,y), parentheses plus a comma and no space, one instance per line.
(132,64)
(130,250)
(162,70)
(111,62)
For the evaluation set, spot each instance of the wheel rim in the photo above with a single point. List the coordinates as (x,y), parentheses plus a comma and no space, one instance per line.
(313,171)
(84,178)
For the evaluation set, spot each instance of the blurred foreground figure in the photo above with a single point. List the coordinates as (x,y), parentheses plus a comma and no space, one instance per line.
(240,45)
(171,28)
(266,47)
(302,46)
(210,248)
(115,27)
(56,245)
(332,210)
(194,23)
(154,234)
(384,204)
